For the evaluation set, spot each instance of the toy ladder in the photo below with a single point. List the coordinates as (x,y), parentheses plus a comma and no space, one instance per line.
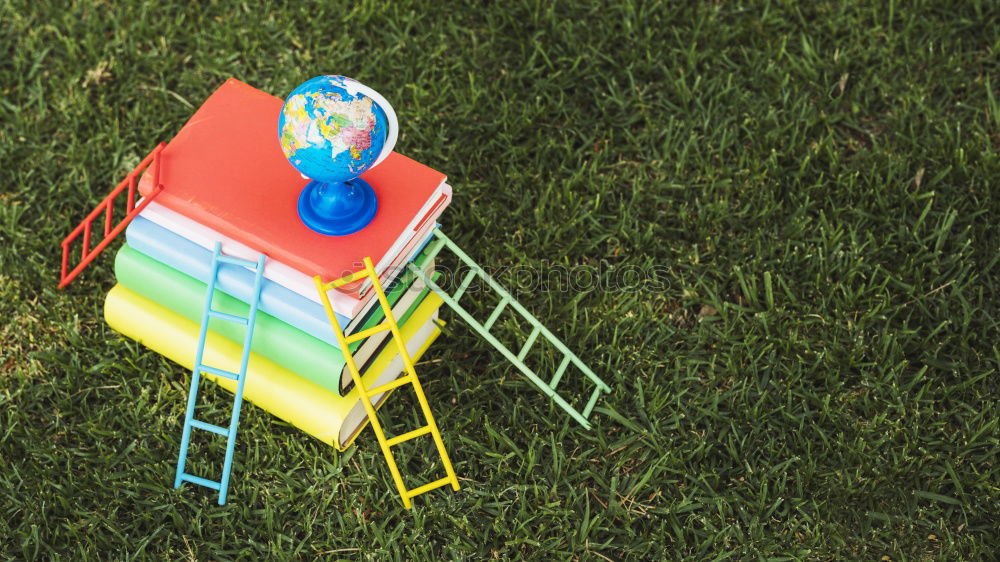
(409,378)
(85,228)
(189,422)
(549,387)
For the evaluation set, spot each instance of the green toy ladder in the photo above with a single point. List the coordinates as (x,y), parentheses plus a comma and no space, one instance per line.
(190,423)
(409,377)
(547,387)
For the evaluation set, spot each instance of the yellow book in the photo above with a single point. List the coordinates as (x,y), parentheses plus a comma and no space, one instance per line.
(333,419)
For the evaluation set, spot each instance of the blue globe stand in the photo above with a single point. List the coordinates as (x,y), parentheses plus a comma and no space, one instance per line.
(332,129)
(337,208)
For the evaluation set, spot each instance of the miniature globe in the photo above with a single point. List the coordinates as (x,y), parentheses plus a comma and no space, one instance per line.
(332,129)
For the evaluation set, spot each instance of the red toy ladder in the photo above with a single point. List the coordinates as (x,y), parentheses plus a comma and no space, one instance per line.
(107,206)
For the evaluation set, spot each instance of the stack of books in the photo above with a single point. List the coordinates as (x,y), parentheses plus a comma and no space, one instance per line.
(225,180)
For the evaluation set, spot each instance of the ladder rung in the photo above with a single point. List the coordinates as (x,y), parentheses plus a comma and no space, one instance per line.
(390,385)
(433,250)
(228,317)
(219,372)
(496,313)
(409,435)
(357,336)
(428,487)
(200,481)
(559,372)
(346,280)
(592,402)
(465,284)
(236,261)
(210,427)
(528,343)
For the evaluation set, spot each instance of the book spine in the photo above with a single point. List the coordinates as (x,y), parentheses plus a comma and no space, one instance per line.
(287,346)
(312,409)
(293,399)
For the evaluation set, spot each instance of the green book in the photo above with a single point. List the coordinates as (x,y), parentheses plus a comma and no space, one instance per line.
(289,347)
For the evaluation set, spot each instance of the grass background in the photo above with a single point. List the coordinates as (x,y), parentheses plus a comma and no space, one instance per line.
(814,182)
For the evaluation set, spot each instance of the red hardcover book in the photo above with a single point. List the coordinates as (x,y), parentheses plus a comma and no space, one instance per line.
(225,169)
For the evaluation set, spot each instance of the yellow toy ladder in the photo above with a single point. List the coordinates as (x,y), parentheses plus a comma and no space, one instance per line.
(409,378)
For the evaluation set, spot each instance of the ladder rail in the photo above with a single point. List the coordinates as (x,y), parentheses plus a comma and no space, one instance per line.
(234,418)
(195,377)
(415,382)
(408,362)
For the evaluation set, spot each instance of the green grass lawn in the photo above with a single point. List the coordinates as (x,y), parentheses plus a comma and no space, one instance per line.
(813,187)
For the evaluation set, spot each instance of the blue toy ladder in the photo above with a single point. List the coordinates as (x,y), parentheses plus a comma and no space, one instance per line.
(189,422)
